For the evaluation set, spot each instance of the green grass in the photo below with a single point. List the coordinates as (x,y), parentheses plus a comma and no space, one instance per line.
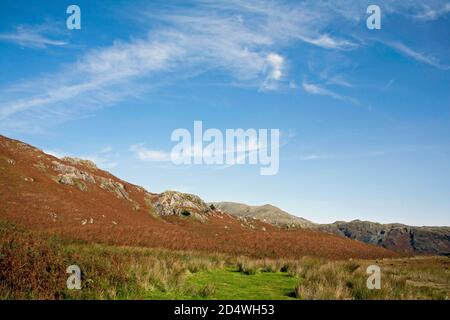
(228,283)
(33,266)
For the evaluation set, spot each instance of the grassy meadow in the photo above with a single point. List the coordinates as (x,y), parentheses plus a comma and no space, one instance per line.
(33,266)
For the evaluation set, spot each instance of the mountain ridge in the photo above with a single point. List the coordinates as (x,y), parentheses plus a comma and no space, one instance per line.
(398,237)
(267,213)
(72,198)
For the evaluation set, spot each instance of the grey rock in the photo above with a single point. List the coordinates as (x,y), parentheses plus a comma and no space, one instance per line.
(182,204)
(397,237)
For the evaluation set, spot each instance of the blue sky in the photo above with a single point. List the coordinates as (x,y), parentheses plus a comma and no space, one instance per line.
(364,114)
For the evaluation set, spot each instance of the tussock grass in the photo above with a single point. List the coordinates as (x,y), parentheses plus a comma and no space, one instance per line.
(205,291)
(247,266)
(33,266)
(400,279)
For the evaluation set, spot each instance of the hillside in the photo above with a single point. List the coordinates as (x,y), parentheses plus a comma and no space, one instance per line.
(401,238)
(73,198)
(266,213)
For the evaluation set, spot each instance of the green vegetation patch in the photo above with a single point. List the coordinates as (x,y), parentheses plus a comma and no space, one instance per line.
(229,283)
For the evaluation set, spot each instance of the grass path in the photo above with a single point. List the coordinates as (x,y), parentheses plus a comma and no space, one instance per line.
(230,284)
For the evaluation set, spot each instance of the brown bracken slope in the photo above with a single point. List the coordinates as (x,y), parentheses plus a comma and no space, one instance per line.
(75,199)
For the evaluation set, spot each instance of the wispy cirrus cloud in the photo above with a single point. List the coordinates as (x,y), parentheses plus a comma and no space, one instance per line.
(415,9)
(145,154)
(430,12)
(246,40)
(327,42)
(418,56)
(313,156)
(282,22)
(32,36)
(100,77)
(152,155)
(241,151)
(316,89)
(333,71)
(242,39)
(188,44)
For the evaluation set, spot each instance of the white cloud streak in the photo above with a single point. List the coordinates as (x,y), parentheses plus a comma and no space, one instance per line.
(243,39)
(241,150)
(316,89)
(31,37)
(431,13)
(145,154)
(420,57)
(327,42)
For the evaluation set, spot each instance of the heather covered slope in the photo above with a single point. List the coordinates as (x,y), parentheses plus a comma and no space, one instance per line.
(73,198)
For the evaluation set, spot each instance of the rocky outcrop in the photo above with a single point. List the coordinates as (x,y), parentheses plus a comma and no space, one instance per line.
(165,204)
(80,162)
(397,237)
(115,187)
(171,203)
(72,176)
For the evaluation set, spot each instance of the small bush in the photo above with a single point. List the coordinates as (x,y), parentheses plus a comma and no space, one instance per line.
(207,291)
(247,267)
(271,266)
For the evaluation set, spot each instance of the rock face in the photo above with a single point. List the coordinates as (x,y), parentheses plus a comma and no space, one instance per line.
(397,237)
(113,186)
(266,213)
(183,204)
(72,176)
